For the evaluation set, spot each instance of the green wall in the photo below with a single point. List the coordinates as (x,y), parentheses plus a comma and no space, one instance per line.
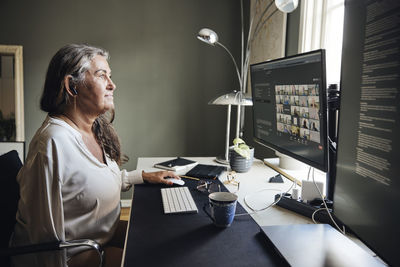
(164,75)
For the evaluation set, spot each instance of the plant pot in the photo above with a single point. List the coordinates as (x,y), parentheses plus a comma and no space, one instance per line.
(239,163)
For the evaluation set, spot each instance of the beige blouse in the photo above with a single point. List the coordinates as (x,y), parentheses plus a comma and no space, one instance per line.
(66,193)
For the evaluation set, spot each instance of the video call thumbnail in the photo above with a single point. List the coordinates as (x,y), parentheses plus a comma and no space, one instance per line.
(297,108)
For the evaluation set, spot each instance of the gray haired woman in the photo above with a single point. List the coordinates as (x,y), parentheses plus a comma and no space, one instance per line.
(71,182)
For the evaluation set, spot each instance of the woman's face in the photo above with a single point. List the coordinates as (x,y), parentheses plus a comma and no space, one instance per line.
(95,95)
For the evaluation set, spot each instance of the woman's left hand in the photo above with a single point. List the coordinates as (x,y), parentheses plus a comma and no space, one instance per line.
(159,177)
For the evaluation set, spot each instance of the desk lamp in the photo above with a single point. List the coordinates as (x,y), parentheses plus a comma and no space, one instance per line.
(237,98)
(234,98)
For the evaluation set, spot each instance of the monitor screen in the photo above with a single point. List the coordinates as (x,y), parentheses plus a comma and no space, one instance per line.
(289,107)
(367,187)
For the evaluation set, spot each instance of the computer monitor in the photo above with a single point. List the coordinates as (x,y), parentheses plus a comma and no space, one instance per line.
(367,184)
(289,107)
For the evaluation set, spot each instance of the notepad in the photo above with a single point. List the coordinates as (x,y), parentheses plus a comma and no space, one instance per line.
(176,164)
(203,171)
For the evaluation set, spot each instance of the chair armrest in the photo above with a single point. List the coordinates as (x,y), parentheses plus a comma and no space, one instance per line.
(56,245)
(84,242)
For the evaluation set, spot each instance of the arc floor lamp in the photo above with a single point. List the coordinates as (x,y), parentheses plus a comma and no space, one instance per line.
(237,98)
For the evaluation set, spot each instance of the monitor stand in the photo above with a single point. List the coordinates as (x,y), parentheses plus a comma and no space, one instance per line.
(289,163)
(317,245)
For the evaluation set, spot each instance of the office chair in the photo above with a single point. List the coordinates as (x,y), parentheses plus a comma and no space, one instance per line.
(10,164)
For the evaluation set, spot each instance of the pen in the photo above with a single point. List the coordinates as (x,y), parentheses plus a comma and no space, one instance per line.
(188,177)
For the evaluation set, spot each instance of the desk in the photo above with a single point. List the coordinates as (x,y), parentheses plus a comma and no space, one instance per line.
(154,238)
(167,241)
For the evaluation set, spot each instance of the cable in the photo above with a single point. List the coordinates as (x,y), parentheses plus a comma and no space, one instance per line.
(326,207)
(332,144)
(267,207)
(312,216)
(308,175)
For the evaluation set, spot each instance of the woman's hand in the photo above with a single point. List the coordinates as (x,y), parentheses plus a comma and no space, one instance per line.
(159,177)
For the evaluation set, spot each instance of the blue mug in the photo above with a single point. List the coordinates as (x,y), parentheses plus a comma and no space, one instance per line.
(222,208)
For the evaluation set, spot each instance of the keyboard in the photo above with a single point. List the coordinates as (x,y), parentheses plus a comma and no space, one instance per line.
(178,200)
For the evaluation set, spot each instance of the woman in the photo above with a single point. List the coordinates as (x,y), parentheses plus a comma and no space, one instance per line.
(70,184)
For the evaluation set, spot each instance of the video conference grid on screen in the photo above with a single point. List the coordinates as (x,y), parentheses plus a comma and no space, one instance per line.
(303,102)
(287,106)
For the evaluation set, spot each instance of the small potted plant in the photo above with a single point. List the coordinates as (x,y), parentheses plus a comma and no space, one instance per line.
(240,156)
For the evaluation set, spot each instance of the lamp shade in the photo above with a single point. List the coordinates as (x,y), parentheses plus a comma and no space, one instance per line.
(208,36)
(233,98)
(286,6)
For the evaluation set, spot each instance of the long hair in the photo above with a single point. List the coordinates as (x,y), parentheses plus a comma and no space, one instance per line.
(74,60)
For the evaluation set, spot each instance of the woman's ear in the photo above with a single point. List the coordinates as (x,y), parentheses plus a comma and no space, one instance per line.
(69,86)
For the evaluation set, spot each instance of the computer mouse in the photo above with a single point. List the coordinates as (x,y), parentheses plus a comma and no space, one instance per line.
(176,181)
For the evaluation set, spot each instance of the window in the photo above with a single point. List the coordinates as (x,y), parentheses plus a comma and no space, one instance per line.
(321,26)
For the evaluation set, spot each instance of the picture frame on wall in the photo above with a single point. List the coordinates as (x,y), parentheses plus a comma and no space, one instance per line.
(11,93)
